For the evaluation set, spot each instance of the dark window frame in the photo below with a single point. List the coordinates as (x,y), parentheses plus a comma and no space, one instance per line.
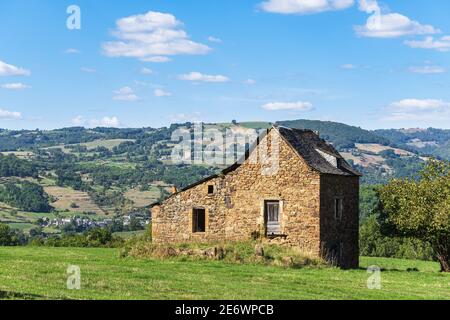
(199,220)
(211,189)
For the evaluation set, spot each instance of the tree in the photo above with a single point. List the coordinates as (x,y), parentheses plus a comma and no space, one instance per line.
(420,209)
(5,235)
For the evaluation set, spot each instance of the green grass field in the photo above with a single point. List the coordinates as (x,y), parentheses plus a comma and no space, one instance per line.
(40,273)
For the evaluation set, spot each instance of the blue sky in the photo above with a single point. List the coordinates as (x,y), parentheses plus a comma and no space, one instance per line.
(374,64)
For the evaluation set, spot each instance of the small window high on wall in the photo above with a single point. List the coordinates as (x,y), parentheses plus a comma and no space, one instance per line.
(199,220)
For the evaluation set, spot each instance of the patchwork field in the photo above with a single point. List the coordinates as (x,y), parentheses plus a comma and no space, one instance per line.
(66,196)
(40,273)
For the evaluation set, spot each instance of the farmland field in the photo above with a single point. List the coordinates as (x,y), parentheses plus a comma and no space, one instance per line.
(40,273)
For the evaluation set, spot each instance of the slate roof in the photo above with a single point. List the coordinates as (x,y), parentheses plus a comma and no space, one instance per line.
(307,142)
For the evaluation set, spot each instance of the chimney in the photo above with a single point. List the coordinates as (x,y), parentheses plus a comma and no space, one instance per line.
(317,132)
(174,190)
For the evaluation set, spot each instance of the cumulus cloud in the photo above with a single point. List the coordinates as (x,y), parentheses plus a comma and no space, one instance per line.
(161,93)
(440,44)
(389,25)
(199,77)
(15,86)
(295,106)
(304,6)
(108,122)
(9,115)
(10,70)
(151,37)
(417,109)
(125,94)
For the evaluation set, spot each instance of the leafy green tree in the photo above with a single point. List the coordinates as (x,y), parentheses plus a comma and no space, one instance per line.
(5,235)
(421,209)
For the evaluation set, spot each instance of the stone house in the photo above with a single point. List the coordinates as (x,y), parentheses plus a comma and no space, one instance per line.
(311,201)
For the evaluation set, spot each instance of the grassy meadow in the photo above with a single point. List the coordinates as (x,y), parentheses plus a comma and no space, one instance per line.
(40,273)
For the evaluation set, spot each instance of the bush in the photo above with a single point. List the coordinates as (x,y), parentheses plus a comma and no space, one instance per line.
(9,237)
(95,238)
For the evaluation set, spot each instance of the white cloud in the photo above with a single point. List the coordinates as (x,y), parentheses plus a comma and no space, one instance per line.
(146,71)
(298,106)
(305,6)
(214,39)
(88,70)
(427,69)
(199,77)
(250,82)
(156,59)
(10,70)
(161,93)
(151,37)
(418,109)
(186,117)
(440,44)
(125,94)
(78,121)
(9,115)
(389,25)
(348,66)
(419,105)
(15,86)
(72,51)
(108,122)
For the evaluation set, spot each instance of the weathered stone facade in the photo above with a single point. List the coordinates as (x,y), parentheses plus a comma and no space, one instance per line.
(236,209)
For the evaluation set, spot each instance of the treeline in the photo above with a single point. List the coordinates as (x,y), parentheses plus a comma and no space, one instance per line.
(94,238)
(11,166)
(25,195)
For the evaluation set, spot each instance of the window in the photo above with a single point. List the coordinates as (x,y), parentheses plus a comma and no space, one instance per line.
(199,220)
(210,189)
(338,208)
(272,213)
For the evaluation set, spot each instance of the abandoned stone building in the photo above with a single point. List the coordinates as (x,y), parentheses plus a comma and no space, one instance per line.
(311,201)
